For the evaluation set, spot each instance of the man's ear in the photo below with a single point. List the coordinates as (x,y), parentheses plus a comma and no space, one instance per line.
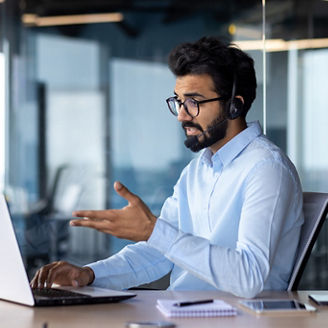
(241,98)
(234,107)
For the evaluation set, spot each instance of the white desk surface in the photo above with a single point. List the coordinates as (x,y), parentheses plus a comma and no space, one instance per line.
(143,308)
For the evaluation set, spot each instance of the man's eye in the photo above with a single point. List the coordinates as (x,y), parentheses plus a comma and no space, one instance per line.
(191,102)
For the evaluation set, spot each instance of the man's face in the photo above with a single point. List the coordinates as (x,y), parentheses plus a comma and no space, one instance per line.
(206,129)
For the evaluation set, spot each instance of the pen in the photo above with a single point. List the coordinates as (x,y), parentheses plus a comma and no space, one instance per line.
(192,303)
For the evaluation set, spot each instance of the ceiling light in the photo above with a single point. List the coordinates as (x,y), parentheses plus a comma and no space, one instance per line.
(272,45)
(34,20)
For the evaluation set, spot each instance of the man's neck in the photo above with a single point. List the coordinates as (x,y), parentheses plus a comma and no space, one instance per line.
(234,127)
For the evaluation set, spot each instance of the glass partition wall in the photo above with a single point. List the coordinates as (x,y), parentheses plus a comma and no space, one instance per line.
(2,106)
(85,106)
(296,85)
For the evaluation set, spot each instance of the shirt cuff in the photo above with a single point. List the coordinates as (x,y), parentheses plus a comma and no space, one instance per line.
(93,274)
(163,236)
(95,268)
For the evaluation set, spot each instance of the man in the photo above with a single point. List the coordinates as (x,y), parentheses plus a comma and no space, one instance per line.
(234,219)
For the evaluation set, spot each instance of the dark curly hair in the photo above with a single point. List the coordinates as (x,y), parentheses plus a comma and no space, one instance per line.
(224,62)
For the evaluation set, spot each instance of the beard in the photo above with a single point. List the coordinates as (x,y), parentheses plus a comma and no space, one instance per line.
(215,131)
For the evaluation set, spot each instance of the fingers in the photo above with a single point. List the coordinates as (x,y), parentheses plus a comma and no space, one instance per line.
(106,214)
(55,272)
(41,276)
(98,220)
(34,281)
(101,214)
(61,272)
(88,214)
(102,225)
(125,192)
(134,221)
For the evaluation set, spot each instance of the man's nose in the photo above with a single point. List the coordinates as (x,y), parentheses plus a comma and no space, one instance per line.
(183,115)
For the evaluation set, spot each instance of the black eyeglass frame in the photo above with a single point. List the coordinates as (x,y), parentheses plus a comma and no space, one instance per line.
(198,102)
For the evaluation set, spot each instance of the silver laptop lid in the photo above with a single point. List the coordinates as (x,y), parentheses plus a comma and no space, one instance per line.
(14,284)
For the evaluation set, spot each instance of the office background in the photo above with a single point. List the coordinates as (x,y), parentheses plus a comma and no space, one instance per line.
(83,104)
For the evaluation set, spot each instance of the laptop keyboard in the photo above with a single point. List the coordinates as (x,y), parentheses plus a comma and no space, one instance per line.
(57,293)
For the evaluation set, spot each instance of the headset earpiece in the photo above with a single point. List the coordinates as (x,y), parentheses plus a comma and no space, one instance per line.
(235,108)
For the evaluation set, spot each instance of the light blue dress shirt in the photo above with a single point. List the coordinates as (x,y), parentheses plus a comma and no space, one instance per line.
(232,224)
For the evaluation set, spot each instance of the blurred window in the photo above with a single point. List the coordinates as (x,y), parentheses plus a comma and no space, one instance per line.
(2,121)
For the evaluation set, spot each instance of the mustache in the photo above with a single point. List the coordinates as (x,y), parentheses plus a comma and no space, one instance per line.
(191,125)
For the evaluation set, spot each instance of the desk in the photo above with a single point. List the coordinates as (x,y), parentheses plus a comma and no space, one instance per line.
(142,308)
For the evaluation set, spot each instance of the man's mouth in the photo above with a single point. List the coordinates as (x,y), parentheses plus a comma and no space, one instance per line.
(192,131)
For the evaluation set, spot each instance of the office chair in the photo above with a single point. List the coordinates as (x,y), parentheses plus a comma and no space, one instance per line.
(315,208)
(47,224)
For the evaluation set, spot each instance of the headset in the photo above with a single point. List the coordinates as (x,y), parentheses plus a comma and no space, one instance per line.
(234,106)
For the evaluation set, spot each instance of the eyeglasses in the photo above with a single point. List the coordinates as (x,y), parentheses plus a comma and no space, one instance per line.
(190,105)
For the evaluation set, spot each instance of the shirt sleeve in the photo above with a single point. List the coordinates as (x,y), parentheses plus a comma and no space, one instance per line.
(271,204)
(134,265)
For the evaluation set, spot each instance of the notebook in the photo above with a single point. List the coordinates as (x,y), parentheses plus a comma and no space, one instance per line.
(14,284)
(217,308)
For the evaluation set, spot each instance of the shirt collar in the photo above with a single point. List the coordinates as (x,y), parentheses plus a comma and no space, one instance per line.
(233,147)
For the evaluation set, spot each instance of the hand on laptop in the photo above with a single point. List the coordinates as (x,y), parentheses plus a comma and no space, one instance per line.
(134,221)
(64,274)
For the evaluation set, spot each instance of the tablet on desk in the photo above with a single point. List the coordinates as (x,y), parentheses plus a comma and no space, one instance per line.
(281,306)
(320,299)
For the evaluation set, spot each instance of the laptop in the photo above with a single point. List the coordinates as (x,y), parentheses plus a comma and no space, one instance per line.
(14,283)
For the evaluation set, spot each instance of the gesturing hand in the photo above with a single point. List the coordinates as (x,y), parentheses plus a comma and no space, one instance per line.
(134,221)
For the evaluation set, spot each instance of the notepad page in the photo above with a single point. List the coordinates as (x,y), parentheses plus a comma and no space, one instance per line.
(216,309)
